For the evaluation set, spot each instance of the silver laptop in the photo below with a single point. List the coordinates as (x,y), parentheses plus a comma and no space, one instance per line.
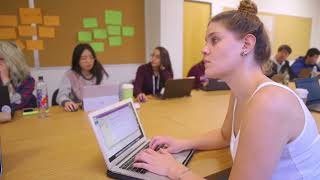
(120,136)
(99,96)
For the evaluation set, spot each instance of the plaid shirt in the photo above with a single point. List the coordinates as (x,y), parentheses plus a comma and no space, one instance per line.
(23,97)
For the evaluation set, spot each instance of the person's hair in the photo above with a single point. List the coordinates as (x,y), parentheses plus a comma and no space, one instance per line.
(285,47)
(245,21)
(312,52)
(165,59)
(16,62)
(97,70)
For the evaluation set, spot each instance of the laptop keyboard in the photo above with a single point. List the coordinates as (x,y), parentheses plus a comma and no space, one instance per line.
(128,165)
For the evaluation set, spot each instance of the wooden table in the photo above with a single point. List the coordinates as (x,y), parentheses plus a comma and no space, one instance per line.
(64,146)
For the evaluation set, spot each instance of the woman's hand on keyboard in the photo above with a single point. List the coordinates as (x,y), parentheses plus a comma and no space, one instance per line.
(161,162)
(172,145)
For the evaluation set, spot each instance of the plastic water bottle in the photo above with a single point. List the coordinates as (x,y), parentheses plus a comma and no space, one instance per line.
(286,78)
(42,98)
(314,71)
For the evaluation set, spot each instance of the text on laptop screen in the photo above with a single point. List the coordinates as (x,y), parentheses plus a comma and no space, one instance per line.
(119,129)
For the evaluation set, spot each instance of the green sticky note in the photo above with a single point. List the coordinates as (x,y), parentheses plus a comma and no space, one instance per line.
(113,17)
(115,41)
(100,33)
(114,30)
(90,22)
(97,46)
(128,31)
(84,36)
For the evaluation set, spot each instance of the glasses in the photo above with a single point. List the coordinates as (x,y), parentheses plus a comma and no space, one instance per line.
(85,58)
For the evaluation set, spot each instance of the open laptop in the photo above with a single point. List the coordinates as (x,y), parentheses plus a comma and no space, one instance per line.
(6,111)
(312,85)
(99,96)
(175,88)
(120,136)
(215,84)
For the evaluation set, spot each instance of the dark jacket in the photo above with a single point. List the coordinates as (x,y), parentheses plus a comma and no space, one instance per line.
(198,72)
(284,68)
(300,64)
(146,82)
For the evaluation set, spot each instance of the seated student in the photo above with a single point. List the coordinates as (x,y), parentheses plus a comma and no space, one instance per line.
(308,61)
(15,73)
(151,77)
(280,64)
(85,70)
(197,71)
(269,139)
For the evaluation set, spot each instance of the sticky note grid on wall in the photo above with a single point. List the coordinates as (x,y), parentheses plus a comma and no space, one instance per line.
(111,32)
(28,22)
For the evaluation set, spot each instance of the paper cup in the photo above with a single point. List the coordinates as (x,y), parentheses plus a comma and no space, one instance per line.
(126,91)
(302,93)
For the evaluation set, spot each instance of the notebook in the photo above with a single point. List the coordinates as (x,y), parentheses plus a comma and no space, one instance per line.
(215,84)
(175,88)
(120,136)
(312,85)
(99,96)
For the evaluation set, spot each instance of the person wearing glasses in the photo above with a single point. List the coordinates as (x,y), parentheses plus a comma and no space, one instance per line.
(151,77)
(85,70)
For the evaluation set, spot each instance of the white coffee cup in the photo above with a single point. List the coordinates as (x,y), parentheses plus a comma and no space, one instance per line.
(302,93)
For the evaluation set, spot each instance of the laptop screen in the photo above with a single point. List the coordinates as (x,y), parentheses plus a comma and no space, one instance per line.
(119,129)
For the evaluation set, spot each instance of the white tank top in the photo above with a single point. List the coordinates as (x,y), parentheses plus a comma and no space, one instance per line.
(300,159)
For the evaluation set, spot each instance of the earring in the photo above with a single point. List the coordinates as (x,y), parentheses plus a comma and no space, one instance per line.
(243,53)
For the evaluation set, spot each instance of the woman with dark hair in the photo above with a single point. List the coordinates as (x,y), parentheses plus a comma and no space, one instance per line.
(270,131)
(151,77)
(85,70)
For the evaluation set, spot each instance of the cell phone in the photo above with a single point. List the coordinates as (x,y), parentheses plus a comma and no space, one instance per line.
(29,111)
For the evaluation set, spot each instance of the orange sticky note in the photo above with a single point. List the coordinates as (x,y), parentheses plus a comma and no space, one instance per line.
(8,33)
(51,20)
(27,30)
(34,44)
(46,32)
(7,20)
(20,44)
(30,15)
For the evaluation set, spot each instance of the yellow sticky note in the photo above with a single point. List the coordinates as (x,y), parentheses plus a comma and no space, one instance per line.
(7,20)
(51,20)
(8,33)
(34,44)
(46,32)
(27,30)
(20,44)
(30,15)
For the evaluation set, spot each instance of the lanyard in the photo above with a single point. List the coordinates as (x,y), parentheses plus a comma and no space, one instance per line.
(154,84)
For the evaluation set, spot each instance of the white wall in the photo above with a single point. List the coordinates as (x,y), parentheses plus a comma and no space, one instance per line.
(152,25)
(171,32)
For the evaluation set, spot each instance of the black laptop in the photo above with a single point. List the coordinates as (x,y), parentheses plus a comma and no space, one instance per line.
(312,85)
(175,88)
(215,85)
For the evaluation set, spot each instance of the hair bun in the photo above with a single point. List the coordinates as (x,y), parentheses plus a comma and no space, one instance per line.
(247,6)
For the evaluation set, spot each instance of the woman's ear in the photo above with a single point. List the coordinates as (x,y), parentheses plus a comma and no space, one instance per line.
(249,42)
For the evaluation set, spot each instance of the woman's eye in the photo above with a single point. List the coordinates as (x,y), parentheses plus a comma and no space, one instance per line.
(214,40)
